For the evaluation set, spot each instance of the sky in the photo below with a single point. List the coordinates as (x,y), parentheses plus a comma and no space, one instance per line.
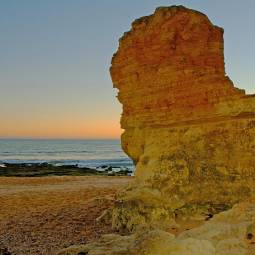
(55,57)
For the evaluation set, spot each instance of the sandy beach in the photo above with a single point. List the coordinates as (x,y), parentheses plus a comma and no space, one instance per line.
(40,215)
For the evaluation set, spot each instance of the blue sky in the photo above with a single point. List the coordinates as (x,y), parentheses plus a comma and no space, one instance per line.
(55,56)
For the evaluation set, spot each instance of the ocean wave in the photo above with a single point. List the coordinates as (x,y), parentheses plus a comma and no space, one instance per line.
(114,163)
(90,153)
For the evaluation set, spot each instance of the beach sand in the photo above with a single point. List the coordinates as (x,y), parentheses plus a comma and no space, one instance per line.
(40,215)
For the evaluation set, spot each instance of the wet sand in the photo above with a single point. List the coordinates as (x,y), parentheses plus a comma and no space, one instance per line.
(40,215)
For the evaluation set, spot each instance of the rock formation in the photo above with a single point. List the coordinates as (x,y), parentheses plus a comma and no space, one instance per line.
(191,135)
(189,131)
(228,233)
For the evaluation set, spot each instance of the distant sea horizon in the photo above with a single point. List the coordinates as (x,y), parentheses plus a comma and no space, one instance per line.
(56,138)
(92,153)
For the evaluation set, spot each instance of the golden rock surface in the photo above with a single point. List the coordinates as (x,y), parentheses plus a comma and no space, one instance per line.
(189,131)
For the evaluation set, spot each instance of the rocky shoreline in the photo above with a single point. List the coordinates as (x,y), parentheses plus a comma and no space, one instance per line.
(47,169)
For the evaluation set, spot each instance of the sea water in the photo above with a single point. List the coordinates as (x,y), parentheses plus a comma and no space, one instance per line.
(84,153)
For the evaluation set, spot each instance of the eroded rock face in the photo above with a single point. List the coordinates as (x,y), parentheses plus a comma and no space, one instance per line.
(189,131)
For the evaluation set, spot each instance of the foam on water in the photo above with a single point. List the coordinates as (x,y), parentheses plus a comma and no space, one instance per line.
(84,153)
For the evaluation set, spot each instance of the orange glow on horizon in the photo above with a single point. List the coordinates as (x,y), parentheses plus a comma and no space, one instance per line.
(61,129)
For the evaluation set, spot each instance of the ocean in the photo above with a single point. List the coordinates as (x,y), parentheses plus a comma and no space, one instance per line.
(84,153)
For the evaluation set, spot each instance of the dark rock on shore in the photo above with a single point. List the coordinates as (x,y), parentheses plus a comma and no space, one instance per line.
(46,169)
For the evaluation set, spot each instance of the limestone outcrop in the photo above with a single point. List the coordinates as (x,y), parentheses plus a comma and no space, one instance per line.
(188,129)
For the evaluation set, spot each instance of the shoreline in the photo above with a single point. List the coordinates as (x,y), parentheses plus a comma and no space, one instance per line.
(47,169)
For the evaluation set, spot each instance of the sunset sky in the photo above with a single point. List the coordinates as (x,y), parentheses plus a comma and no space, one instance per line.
(55,56)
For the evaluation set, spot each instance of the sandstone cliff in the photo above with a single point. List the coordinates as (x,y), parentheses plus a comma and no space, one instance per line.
(188,129)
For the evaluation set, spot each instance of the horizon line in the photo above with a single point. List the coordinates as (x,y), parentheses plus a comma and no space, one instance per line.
(58,138)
